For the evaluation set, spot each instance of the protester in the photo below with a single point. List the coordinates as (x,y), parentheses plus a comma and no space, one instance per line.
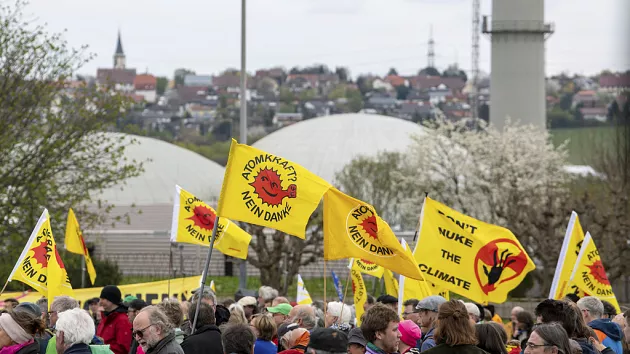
(75,330)
(495,316)
(626,328)
(134,307)
(570,317)
(328,340)
(279,300)
(173,311)
(266,294)
(608,332)
(237,339)
(474,315)
(237,315)
(410,334)
(249,305)
(410,312)
(43,309)
(428,310)
(206,337)
(510,327)
(303,316)
(338,316)
(548,338)
(280,313)
(10,304)
(221,314)
(91,306)
(154,332)
(388,300)
(380,329)
(356,342)
(114,326)
(572,297)
(609,310)
(265,329)
(369,302)
(44,337)
(454,332)
(17,332)
(598,345)
(228,302)
(208,297)
(524,326)
(490,338)
(59,305)
(294,341)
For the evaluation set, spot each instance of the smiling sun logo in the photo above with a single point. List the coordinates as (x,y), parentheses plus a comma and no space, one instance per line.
(599,273)
(203,217)
(268,186)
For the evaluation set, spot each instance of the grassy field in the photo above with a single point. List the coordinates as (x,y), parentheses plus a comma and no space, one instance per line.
(583,142)
(227,286)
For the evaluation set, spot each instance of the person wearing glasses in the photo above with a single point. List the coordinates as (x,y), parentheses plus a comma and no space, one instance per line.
(548,338)
(154,332)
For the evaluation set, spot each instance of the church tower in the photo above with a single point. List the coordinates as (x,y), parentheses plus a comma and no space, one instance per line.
(119,56)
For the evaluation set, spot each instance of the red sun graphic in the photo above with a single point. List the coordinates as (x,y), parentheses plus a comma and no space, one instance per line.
(268,185)
(59,261)
(599,273)
(40,254)
(203,217)
(370,227)
(366,261)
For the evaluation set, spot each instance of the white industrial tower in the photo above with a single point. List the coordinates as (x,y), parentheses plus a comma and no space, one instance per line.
(474,93)
(517,78)
(431,50)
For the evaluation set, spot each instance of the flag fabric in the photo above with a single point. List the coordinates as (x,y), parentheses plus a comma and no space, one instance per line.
(589,273)
(410,288)
(573,240)
(352,229)
(391,284)
(264,189)
(476,260)
(338,287)
(303,297)
(212,287)
(40,265)
(74,243)
(360,293)
(370,268)
(193,221)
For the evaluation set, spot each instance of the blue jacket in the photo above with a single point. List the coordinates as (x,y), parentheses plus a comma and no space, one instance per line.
(609,333)
(428,341)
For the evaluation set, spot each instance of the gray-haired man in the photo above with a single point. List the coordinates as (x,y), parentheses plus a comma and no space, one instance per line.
(154,332)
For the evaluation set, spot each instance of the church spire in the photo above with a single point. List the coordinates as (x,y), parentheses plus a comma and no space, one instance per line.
(119,55)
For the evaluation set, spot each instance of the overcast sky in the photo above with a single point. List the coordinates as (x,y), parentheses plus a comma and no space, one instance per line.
(364,35)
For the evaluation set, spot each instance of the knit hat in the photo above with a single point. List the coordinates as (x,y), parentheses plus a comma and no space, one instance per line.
(409,332)
(29,307)
(111,293)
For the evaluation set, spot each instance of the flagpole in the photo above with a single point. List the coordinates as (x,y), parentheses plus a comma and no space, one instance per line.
(204,274)
(83,272)
(4,287)
(345,292)
(415,235)
(325,303)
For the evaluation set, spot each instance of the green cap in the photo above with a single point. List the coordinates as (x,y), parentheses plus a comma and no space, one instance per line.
(129,298)
(280,308)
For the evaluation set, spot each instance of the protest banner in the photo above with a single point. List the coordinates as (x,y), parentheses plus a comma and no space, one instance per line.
(360,292)
(480,261)
(267,190)
(573,240)
(370,268)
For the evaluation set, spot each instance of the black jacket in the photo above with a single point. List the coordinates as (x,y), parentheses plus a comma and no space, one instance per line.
(456,349)
(32,348)
(206,339)
(79,348)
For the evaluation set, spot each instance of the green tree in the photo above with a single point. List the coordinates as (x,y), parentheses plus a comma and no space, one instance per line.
(402,92)
(53,153)
(162,82)
(392,71)
(180,74)
(286,96)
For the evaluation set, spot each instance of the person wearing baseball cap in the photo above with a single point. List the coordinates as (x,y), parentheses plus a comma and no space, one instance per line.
(428,308)
(327,340)
(114,327)
(356,341)
(280,313)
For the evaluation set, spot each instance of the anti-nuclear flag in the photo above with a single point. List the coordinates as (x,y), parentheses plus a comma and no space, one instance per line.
(264,189)
(352,229)
(391,284)
(303,297)
(40,265)
(479,261)
(589,273)
(370,268)
(193,221)
(75,243)
(410,288)
(573,240)
(359,290)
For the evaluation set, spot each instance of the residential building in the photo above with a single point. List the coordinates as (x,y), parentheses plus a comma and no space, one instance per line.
(198,80)
(415,111)
(382,85)
(145,85)
(594,113)
(283,119)
(588,98)
(614,83)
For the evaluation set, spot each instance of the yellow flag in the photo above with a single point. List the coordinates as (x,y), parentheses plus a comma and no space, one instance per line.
(391,284)
(479,261)
(263,189)
(303,297)
(352,229)
(75,243)
(573,239)
(360,292)
(410,288)
(212,287)
(369,268)
(193,221)
(589,273)
(40,265)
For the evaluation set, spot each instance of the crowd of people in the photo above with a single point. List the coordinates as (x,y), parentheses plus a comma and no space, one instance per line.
(271,324)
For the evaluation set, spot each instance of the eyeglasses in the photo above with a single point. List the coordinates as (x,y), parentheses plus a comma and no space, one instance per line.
(140,333)
(531,345)
(51,312)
